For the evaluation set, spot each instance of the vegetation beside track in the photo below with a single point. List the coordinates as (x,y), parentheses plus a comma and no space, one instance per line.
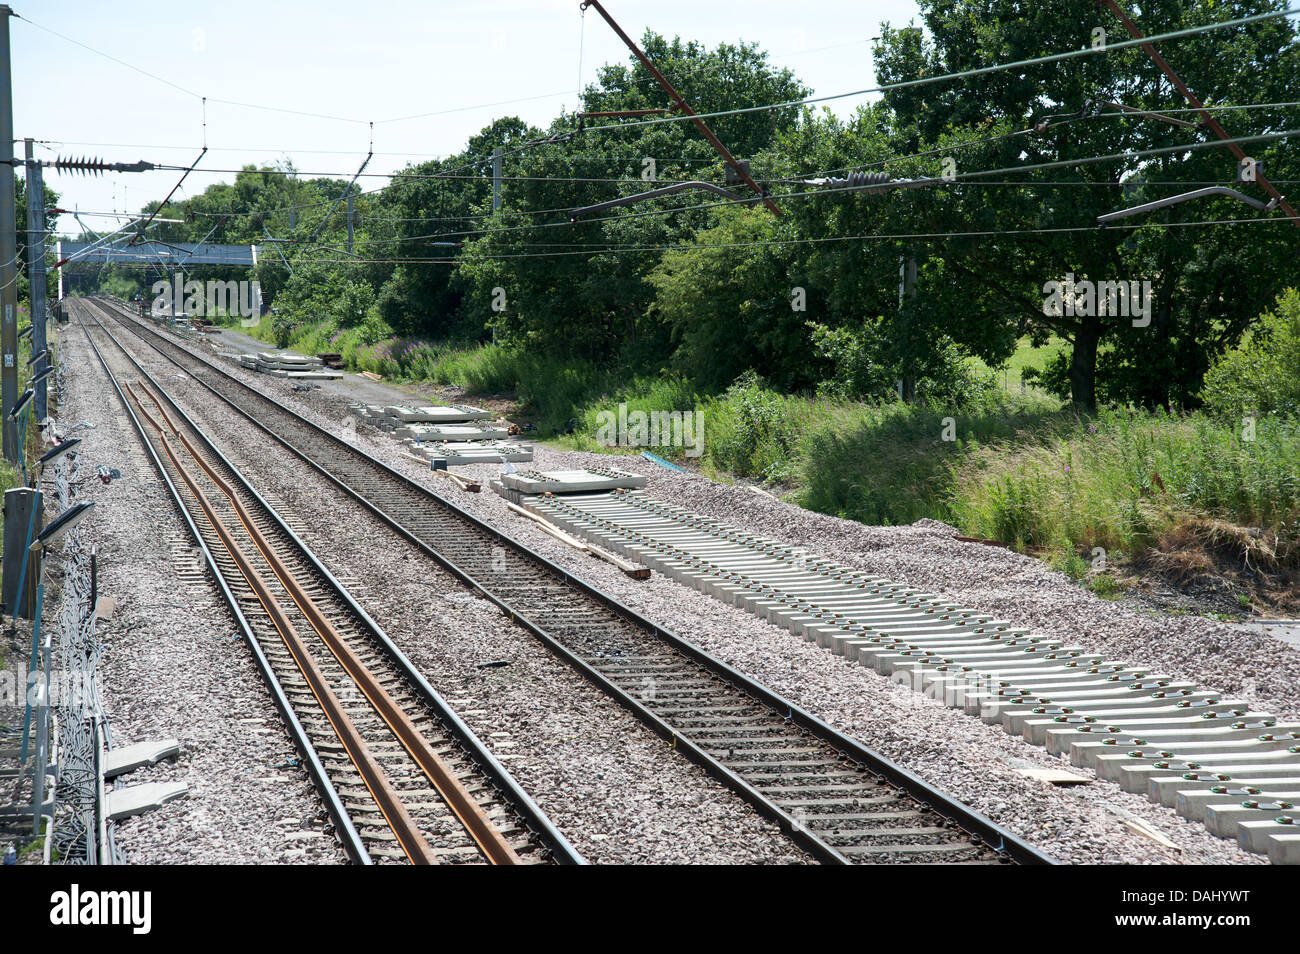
(1181,494)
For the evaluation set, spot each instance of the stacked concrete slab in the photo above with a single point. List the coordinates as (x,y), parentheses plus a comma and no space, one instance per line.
(459,453)
(1212,759)
(526,483)
(287,365)
(457,434)
(412,422)
(423,433)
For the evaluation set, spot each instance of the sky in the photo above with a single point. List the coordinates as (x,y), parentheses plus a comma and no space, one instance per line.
(357,62)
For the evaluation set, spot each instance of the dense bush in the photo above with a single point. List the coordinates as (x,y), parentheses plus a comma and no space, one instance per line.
(1261,376)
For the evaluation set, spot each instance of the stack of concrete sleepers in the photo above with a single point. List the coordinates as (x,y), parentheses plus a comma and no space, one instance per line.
(529,483)
(484,431)
(458,453)
(287,365)
(436,414)
(421,423)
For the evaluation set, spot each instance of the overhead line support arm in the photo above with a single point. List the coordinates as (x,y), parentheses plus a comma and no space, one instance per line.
(1206,116)
(682,105)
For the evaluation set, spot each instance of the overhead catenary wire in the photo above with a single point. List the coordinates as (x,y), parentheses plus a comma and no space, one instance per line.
(810,100)
(968,73)
(822,192)
(818,240)
(1063,119)
(911,83)
(957,179)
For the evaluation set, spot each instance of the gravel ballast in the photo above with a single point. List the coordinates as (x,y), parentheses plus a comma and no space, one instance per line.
(615,790)
(972,761)
(174,666)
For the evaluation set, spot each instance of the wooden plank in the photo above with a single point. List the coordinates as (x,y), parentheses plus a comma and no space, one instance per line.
(1145,830)
(1055,776)
(633,570)
(464,483)
(550,528)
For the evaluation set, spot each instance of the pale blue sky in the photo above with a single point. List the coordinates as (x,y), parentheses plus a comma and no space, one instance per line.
(362,61)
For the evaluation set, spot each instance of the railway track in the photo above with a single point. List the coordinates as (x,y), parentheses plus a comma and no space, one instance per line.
(838,799)
(403,778)
(1212,759)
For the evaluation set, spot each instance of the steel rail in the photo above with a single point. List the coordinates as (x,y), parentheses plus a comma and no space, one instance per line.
(561,851)
(353,846)
(966,818)
(358,752)
(458,799)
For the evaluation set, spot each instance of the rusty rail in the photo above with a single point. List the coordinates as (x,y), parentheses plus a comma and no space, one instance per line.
(458,799)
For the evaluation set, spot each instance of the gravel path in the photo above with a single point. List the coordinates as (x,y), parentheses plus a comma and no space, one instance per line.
(612,787)
(965,757)
(173,667)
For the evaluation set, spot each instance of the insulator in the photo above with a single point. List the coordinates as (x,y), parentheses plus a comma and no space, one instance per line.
(854,180)
(858,180)
(84,165)
(92,165)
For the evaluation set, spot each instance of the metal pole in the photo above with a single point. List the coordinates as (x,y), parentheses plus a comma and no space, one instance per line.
(906,293)
(349,223)
(681,104)
(36,272)
(8,249)
(33,665)
(42,737)
(1206,116)
(496,179)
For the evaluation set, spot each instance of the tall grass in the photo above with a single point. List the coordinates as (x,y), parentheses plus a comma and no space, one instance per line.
(894,463)
(1125,479)
(1013,466)
(551,390)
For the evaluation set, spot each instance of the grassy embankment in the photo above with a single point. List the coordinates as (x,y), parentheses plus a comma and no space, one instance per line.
(1183,493)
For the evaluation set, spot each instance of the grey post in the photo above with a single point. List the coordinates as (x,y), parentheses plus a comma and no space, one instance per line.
(350,221)
(496,179)
(42,755)
(22,521)
(906,290)
(36,272)
(8,249)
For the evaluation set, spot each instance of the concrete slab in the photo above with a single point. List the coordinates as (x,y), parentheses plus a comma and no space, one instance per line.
(137,799)
(440,414)
(130,757)
(1284,849)
(1055,776)
(319,375)
(457,453)
(1224,820)
(453,432)
(1255,835)
(1166,789)
(572,481)
(1193,803)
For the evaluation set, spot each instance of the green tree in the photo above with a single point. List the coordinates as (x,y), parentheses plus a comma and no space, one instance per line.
(731,306)
(581,288)
(1258,376)
(1208,282)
